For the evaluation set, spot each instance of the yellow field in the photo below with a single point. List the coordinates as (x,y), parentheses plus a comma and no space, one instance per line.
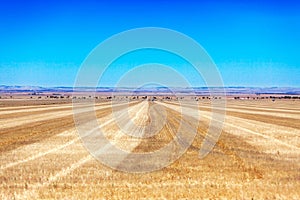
(257,155)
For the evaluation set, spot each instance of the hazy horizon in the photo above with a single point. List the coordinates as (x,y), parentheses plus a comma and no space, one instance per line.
(129,87)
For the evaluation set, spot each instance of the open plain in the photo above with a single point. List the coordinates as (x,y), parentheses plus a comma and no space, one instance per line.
(256,157)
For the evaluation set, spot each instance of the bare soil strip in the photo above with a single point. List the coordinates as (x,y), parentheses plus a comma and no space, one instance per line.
(245,130)
(282,121)
(33,132)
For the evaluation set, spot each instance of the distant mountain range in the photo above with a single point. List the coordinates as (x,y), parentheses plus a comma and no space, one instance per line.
(197,90)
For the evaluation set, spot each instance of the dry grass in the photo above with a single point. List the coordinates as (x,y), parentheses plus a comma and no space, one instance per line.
(257,155)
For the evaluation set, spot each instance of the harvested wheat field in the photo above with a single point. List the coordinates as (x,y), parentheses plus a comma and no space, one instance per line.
(256,157)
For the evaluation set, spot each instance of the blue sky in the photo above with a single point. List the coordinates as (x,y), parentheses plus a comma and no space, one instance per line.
(253,43)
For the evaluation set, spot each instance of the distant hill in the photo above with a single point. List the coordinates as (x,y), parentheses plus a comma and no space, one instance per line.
(196,90)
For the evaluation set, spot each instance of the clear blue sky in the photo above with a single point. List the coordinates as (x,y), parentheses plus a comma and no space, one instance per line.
(253,43)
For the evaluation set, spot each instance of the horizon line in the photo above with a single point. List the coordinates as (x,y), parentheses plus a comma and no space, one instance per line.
(131,87)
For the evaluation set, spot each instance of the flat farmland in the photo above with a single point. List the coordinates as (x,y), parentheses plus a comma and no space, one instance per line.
(256,157)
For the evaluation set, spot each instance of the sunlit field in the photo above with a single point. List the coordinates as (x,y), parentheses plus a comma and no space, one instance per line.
(257,155)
